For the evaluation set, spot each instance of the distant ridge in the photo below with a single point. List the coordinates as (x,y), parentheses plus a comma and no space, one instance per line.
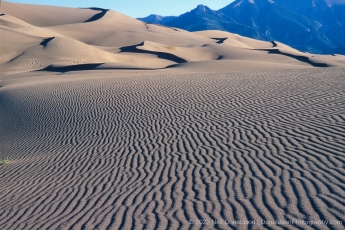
(157,19)
(315,26)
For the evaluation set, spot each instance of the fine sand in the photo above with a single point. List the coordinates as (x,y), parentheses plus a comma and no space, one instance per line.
(111,123)
(108,151)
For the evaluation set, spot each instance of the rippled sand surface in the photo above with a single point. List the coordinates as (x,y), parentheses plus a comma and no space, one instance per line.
(99,151)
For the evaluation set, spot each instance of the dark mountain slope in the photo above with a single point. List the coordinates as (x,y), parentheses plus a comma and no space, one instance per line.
(316,26)
(280,23)
(203,18)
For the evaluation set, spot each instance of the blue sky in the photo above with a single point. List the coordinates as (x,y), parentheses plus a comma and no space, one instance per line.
(136,8)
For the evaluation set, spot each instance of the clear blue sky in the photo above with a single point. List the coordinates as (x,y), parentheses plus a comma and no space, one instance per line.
(136,8)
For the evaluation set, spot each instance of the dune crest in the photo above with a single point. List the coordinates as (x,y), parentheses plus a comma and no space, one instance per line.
(100,36)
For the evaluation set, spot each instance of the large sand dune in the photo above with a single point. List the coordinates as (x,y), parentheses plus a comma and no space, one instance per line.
(86,37)
(111,123)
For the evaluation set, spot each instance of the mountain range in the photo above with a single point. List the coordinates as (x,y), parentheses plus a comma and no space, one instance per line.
(315,26)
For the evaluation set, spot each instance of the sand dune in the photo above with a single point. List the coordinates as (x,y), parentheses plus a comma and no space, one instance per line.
(45,16)
(111,123)
(118,30)
(234,65)
(36,53)
(113,40)
(12,22)
(234,39)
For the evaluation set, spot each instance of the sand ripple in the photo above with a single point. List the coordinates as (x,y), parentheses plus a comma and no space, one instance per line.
(157,152)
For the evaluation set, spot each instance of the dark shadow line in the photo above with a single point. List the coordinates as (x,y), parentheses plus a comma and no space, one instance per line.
(64,69)
(97,16)
(297,57)
(167,56)
(219,40)
(43,43)
(16,57)
(46,41)
(81,67)
(171,66)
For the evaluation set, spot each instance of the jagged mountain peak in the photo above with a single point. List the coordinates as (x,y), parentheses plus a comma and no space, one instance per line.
(315,26)
(202,8)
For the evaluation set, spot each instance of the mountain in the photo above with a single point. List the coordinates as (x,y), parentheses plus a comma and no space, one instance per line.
(330,14)
(203,18)
(280,22)
(198,19)
(316,26)
(157,19)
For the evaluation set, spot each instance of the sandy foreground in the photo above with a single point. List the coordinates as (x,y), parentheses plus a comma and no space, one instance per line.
(162,151)
(111,123)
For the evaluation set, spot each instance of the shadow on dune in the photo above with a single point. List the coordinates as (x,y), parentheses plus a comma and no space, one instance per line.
(97,16)
(162,55)
(297,57)
(2,14)
(46,41)
(219,40)
(93,66)
(64,69)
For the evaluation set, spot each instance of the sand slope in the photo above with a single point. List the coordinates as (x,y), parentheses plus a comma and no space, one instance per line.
(96,151)
(86,37)
(44,16)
